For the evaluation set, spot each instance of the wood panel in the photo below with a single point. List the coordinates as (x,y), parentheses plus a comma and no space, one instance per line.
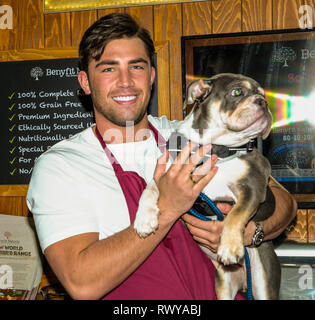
(304,197)
(226,16)
(168,27)
(80,21)
(143,15)
(297,231)
(31,24)
(197,18)
(256,15)
(57,30)
(162,50)
(285,14)
(13,191)
(13,206)
(3,56)
(103,12)
(311,225)
(39,54)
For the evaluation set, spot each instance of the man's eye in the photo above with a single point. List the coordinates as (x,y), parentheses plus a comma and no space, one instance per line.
(237,92)
(108,69)
(137,67)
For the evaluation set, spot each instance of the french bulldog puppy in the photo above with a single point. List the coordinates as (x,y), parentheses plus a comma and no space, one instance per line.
(229,111)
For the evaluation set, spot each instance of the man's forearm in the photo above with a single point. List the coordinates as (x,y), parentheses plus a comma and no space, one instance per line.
(100,265)
(120,254)
(285,211)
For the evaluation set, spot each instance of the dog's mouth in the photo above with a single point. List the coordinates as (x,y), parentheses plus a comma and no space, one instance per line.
(261,125)
(253,116)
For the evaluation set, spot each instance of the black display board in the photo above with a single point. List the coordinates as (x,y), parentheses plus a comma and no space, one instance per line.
(40,105)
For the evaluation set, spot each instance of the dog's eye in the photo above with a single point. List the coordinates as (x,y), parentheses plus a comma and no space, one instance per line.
(237,92)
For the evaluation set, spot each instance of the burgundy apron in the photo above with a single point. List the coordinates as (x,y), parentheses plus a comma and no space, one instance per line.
(177,269)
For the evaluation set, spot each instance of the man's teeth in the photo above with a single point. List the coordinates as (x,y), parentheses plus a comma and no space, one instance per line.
(124,98)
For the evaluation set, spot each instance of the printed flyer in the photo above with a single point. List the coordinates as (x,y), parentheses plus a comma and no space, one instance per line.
(20,260)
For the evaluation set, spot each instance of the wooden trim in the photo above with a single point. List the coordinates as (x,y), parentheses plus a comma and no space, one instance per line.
(39,54)
(162,51)
(13,190)
(304,197)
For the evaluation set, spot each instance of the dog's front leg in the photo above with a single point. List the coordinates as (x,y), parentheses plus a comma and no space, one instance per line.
(231,247)
(146,221)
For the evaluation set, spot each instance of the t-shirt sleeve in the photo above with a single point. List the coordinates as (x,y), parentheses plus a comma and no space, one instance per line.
(163,125)
(55,199)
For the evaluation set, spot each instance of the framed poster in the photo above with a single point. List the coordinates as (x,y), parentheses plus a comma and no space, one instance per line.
(283,62)
(53,6)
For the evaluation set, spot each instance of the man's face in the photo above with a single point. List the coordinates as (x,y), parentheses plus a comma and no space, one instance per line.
(120,82)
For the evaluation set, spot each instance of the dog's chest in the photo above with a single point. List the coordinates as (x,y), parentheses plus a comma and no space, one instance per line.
(228,174)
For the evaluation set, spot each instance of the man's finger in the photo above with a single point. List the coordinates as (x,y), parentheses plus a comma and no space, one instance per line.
(185,153)
(205,179)
(224,207)
(161,165)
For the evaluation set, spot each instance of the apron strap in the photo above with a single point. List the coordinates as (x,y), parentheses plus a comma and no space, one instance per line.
(116,166)
(161,142)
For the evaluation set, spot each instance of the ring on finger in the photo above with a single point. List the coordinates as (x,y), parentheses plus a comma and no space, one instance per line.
(192,179)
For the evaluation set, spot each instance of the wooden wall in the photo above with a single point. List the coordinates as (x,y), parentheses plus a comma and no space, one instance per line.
(33,30)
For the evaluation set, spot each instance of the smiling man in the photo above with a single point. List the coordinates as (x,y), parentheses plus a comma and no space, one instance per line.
(85,190)
(120,84)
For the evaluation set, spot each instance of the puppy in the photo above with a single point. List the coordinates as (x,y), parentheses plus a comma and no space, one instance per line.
(229,110)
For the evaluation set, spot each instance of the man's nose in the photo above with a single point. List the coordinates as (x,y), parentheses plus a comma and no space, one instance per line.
(125,79)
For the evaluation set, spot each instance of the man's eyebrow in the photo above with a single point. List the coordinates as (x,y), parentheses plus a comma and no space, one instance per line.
(106,62)
(114,62)
(137,61)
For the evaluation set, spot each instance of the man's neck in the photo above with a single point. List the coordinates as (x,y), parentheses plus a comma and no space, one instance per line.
(113,134)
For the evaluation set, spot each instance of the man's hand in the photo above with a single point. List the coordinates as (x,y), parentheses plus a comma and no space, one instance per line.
(206,233)
(177,188)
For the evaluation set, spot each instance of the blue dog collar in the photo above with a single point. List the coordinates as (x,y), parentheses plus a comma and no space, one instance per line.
(205,209)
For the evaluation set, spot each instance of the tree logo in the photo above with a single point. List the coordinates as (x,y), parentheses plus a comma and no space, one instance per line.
(283,55)
(7,234)
(36,73)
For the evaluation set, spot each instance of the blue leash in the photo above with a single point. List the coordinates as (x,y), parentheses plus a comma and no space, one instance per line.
(220,217)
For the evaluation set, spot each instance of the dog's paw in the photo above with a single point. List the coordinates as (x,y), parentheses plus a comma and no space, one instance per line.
(146,221)
(231,250)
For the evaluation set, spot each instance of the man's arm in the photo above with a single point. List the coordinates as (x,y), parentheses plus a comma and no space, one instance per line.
(208,232)
(285,211)
(88,268)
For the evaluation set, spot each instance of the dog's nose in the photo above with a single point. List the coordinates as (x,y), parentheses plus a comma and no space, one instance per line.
(261,102)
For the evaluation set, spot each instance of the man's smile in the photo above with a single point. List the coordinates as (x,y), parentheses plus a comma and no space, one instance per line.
(124,98)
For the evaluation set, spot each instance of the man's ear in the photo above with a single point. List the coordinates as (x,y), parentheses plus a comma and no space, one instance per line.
(84,82)
(152,75)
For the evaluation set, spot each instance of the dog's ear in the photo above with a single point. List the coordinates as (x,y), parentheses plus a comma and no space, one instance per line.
(198,90)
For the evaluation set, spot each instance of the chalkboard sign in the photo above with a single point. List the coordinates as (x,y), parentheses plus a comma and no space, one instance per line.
(40,106)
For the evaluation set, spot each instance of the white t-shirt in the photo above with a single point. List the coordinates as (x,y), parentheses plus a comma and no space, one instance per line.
(74,190)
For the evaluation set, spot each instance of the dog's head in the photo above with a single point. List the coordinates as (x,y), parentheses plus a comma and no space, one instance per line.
(228,109)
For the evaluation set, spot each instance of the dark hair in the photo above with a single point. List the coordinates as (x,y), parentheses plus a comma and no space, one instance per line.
(107,28)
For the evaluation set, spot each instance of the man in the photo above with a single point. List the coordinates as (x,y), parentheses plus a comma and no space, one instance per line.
(84,191)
